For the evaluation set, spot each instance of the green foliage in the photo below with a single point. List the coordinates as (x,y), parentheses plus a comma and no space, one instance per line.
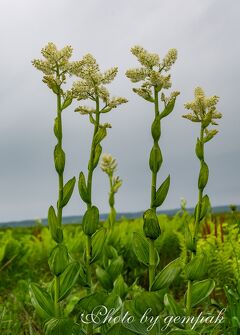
(128,279)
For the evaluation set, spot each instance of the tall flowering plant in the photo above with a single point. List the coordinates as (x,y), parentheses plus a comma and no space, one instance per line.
(153,74)
(203,110)
(91,86)
(56,67)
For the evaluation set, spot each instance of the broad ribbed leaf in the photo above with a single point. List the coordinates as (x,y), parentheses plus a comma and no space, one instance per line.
(201,290)
(68,279)
(98,241)
(104,278)
(90,220)
(67,191)
(146,300)
(55,230)
(141,248)
(59,259)
(203,176)
(82,188)
(205,206)
(91,301)
(162,192)
(155,159)
(167,275)
(41,301)
(115,268)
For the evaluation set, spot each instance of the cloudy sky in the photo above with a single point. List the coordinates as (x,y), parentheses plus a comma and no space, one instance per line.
(205,34)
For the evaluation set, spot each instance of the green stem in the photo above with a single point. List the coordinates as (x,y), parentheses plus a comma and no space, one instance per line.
(152,264)
(196,230)
(112,218)
(60,175)
(200,196)
(59,208)
(90,166)
(89,186)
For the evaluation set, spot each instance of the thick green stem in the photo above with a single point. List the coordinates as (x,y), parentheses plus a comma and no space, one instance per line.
(90,166)
(152,264)
(60,175)
(200,196)
(89,186)
(59,208)
(196,230)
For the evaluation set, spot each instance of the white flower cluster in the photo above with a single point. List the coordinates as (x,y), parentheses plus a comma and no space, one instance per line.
(56,66)
(137,74)
(150,71)
(55,60)
(92,81)
(85,110)
(202,108)
(108,164)
(144,57)
(169,59)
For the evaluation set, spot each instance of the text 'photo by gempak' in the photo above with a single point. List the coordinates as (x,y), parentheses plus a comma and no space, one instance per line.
(120,167)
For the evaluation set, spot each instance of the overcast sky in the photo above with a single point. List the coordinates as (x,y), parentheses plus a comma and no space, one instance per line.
(206,35)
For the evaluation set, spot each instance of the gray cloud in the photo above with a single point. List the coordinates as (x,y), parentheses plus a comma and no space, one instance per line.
(205,34)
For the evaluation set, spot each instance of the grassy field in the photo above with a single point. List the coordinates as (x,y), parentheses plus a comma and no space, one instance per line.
(24,253)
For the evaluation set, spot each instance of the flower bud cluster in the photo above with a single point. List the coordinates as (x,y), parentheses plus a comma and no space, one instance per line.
(150,72)
(203,110)
(54,59)
(56,65)
(108,164)
(92,81)
(202,107)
